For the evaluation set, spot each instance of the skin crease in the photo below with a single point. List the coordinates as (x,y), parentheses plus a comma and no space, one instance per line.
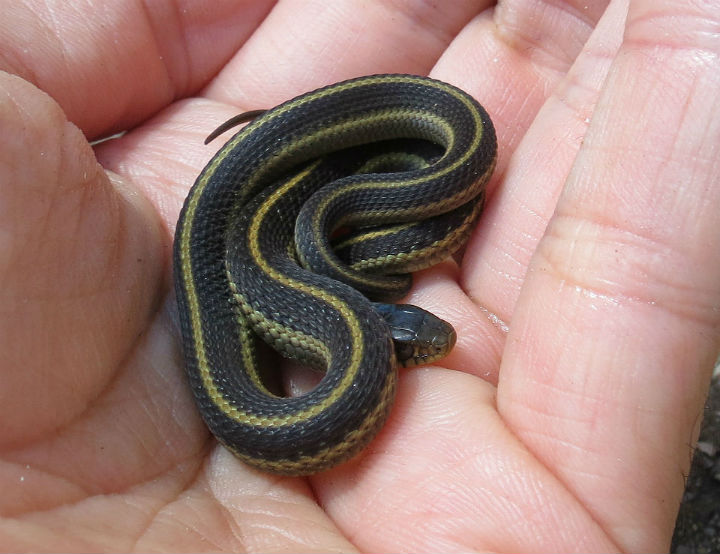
(587,303)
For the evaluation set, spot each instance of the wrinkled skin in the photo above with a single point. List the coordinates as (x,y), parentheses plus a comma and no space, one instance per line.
(587,304)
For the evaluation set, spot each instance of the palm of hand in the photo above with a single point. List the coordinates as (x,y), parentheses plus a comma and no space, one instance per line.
(593,252)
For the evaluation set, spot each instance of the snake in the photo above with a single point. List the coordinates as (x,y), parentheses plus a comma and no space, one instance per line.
(298,235)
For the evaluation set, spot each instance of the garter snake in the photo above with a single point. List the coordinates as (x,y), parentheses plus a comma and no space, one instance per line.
(310,210)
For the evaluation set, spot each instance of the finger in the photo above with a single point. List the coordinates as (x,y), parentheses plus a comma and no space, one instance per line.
(337,40)
(437,290)
(111,65)
(525,51)
(616,329)
(498,254)
(79,267)
(512,57)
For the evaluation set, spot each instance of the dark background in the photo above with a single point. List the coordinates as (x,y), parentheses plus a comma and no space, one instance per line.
(697,530)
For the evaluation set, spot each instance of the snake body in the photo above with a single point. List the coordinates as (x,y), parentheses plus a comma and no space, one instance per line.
(312,209)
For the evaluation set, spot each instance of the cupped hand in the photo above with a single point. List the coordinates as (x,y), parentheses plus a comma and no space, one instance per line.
(587,303)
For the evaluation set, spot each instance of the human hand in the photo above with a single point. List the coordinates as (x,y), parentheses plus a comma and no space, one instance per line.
(586,304)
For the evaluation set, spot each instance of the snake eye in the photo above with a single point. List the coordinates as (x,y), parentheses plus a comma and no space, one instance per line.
(404,352)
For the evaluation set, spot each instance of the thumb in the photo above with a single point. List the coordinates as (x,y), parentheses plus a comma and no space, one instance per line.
(78,267)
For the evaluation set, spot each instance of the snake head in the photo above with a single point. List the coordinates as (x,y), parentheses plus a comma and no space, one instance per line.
(420,337)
